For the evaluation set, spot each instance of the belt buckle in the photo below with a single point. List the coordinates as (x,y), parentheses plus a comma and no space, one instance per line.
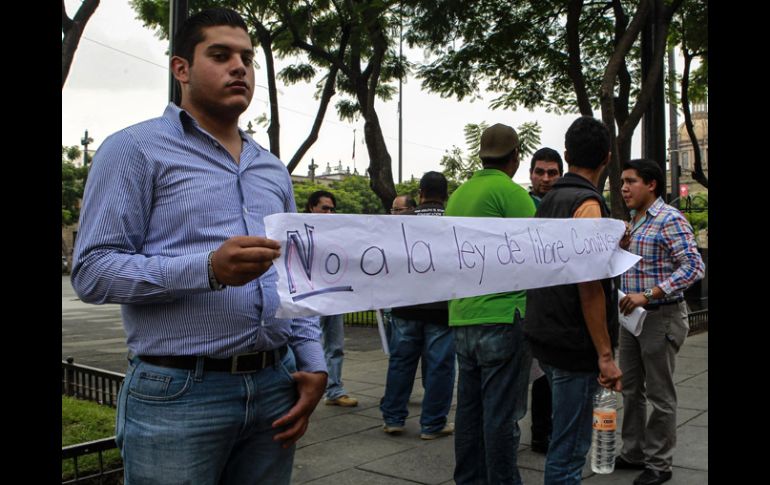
(234,365)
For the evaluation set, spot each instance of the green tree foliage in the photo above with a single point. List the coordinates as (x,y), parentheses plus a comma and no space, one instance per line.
(353,194)
(567,57)
(696,211)
(412,188)
(409,187)
(302,191)
(73,181)
(459,167)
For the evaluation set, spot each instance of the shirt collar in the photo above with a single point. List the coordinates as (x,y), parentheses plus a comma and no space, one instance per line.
(654,209)
(490,171)
(183,122)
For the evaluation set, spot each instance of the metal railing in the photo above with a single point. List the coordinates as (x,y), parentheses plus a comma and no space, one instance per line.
(90,383)
(698,321)
(361,319)
(74,452)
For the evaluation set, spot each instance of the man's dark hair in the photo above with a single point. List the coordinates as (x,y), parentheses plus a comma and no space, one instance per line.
(587,142)
(410,202)
(497,162)
(315,197)
(547,155)
(434,185)
(648,170)
(190,33)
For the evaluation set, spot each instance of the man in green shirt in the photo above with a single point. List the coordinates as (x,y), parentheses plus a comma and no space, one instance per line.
(493,358)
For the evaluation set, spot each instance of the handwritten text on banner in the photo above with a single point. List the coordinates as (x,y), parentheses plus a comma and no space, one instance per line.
(333,264)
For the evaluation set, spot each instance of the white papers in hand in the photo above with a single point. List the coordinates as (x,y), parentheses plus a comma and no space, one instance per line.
(633,321)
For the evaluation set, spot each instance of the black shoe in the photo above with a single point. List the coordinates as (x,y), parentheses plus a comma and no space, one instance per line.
(540,446)
(623,464)
(652,477)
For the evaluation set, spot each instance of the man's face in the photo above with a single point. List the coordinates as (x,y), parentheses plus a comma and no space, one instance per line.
(221,77)
(324,206)
(399,205)
(636,193)
(542,176)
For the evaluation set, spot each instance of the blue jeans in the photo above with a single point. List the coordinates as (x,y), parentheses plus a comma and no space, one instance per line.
(333,339)
(177,426)
(411,339)
(572,398)
(494,362)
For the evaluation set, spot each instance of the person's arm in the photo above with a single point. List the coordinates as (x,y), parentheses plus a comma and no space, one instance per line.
(117,206)
(310,378)
(595,316)
(592,304)
(678,236)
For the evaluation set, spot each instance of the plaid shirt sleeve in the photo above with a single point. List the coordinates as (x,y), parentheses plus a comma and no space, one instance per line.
(688,264)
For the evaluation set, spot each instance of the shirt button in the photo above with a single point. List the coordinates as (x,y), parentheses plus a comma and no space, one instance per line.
(245,209)
(216,144)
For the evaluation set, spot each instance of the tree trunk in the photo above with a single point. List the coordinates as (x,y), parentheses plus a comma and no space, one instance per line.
(697,173)
(73,30)
(326,96)
(274,129)
(622,142)
(380,173)
(575,68)
(607,102)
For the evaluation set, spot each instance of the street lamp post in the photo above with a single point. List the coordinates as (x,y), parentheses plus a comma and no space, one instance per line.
(85,141)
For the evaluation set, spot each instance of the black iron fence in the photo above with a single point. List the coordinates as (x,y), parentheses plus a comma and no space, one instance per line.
(107,473)
(698,321)
(361,319)
(90,383)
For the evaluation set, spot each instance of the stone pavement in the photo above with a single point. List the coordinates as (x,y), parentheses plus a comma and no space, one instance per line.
(347,445)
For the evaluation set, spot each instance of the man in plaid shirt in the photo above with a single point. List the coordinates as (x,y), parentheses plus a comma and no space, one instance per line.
(670,263)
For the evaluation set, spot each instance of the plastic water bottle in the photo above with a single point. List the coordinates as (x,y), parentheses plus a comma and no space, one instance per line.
(605,424)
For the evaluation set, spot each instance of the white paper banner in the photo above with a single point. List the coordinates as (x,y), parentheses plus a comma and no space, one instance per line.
(340,263)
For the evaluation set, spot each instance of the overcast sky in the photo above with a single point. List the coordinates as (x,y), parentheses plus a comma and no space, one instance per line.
(119,77)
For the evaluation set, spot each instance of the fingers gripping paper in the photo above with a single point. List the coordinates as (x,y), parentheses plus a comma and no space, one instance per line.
(333,264)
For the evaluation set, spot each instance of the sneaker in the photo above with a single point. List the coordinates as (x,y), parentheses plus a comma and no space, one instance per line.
(392,428)
(623,464)
(448,429)
(344,401)
(652,477)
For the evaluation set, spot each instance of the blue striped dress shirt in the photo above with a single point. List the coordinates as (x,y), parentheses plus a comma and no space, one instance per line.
(160,196)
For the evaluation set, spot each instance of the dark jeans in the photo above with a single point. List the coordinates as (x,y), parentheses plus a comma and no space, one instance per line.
(541,410)
(494,362)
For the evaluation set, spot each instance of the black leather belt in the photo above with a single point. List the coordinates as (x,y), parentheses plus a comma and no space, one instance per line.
(655,306)
(237,364)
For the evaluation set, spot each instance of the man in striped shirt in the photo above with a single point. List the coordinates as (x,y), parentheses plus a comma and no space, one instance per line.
(670,263)
(218,390)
